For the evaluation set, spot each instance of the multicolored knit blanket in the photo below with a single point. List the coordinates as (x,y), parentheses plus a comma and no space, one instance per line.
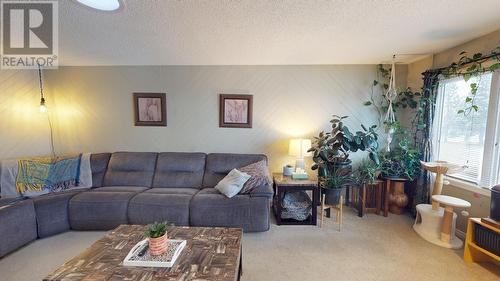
(48,174)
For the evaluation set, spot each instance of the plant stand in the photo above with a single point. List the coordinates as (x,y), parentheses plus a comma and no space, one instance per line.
(368,197)
(327,209)
(395,197)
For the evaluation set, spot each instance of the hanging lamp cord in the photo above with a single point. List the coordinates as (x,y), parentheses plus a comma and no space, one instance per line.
(42,100)
(40,82)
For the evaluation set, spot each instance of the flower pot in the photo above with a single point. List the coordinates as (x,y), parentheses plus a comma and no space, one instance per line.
(158,246)
(332,195)
(343,166)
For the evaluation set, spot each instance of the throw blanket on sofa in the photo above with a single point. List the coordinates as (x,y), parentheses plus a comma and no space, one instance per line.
(31,177)
(48,174)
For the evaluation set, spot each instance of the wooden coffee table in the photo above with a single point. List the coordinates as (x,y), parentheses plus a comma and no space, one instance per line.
(210,254)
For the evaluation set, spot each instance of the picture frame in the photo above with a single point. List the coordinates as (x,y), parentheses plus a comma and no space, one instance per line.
(235,111)
(150,109)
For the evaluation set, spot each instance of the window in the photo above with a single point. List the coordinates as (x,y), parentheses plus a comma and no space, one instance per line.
(470,140)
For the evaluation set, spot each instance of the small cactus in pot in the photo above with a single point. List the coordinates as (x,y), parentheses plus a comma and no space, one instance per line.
(157,234)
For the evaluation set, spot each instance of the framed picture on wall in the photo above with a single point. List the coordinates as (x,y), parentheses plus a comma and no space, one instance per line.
(150,109)
(235,111)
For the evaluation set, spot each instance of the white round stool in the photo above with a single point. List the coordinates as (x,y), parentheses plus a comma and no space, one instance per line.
(437,224)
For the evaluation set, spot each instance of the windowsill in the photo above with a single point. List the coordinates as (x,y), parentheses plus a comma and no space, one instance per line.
(469,186)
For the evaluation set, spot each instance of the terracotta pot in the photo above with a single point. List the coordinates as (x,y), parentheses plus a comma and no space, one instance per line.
(158,246)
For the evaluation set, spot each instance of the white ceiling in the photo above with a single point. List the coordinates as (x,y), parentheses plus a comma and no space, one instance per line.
(258,32)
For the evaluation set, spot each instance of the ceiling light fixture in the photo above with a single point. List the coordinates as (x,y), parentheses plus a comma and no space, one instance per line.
(102,5)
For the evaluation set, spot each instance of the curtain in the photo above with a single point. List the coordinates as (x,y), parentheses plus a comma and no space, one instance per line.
(423,135)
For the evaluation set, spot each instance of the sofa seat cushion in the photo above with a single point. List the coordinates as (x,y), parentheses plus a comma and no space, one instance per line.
(209,207)
(121,189)
(150,207)
(52,213)
(18,226)
(172,190)
(99,210)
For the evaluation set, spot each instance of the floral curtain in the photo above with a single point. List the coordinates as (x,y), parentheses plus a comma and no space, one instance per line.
(423,134)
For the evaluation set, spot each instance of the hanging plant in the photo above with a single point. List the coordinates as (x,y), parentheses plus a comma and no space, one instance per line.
(406,99)
(469,67)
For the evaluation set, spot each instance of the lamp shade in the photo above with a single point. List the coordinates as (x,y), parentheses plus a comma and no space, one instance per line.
(299,147)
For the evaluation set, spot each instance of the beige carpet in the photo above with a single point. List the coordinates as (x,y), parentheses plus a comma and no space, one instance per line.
(369,248)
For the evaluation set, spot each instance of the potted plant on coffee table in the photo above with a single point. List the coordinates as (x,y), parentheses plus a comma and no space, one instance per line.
(157,237)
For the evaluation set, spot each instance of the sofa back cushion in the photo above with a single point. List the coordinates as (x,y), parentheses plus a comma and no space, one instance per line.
(179,169)
(220,164)
(131,168)
(98,165)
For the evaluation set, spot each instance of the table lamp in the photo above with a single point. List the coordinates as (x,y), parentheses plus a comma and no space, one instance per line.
(299,148)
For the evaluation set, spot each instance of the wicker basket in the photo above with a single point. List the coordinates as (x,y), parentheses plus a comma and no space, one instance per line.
(487,239)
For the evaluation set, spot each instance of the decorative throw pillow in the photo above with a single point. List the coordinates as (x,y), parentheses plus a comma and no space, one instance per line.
(259,173)
(231,184)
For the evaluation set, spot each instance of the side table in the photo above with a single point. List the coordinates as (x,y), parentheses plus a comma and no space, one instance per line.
(283,184)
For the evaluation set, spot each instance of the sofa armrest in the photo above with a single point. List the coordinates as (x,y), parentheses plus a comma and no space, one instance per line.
(262,191)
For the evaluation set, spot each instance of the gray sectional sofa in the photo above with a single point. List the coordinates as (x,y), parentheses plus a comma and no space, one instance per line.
(140,188)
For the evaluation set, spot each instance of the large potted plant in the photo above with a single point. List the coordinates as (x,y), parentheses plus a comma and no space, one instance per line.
(403,161)
(157,236)
(331,149)
(331,155)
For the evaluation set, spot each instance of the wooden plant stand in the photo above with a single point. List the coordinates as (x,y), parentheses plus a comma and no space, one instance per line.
(328,208)
(368,197)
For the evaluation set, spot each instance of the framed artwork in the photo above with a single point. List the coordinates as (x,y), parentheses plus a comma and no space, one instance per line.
(150,109)
(235,111)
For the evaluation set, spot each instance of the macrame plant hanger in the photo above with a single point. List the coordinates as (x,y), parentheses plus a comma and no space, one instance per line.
(391,95)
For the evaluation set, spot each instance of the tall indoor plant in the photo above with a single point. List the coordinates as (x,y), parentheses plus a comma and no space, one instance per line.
(331,155)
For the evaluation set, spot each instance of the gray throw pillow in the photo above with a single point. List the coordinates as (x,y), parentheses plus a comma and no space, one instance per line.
(231,184)
(260,176)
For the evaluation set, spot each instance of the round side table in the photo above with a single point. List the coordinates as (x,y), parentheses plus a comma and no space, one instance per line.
(447,227)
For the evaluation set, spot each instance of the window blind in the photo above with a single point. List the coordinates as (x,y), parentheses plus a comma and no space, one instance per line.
(461,139)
